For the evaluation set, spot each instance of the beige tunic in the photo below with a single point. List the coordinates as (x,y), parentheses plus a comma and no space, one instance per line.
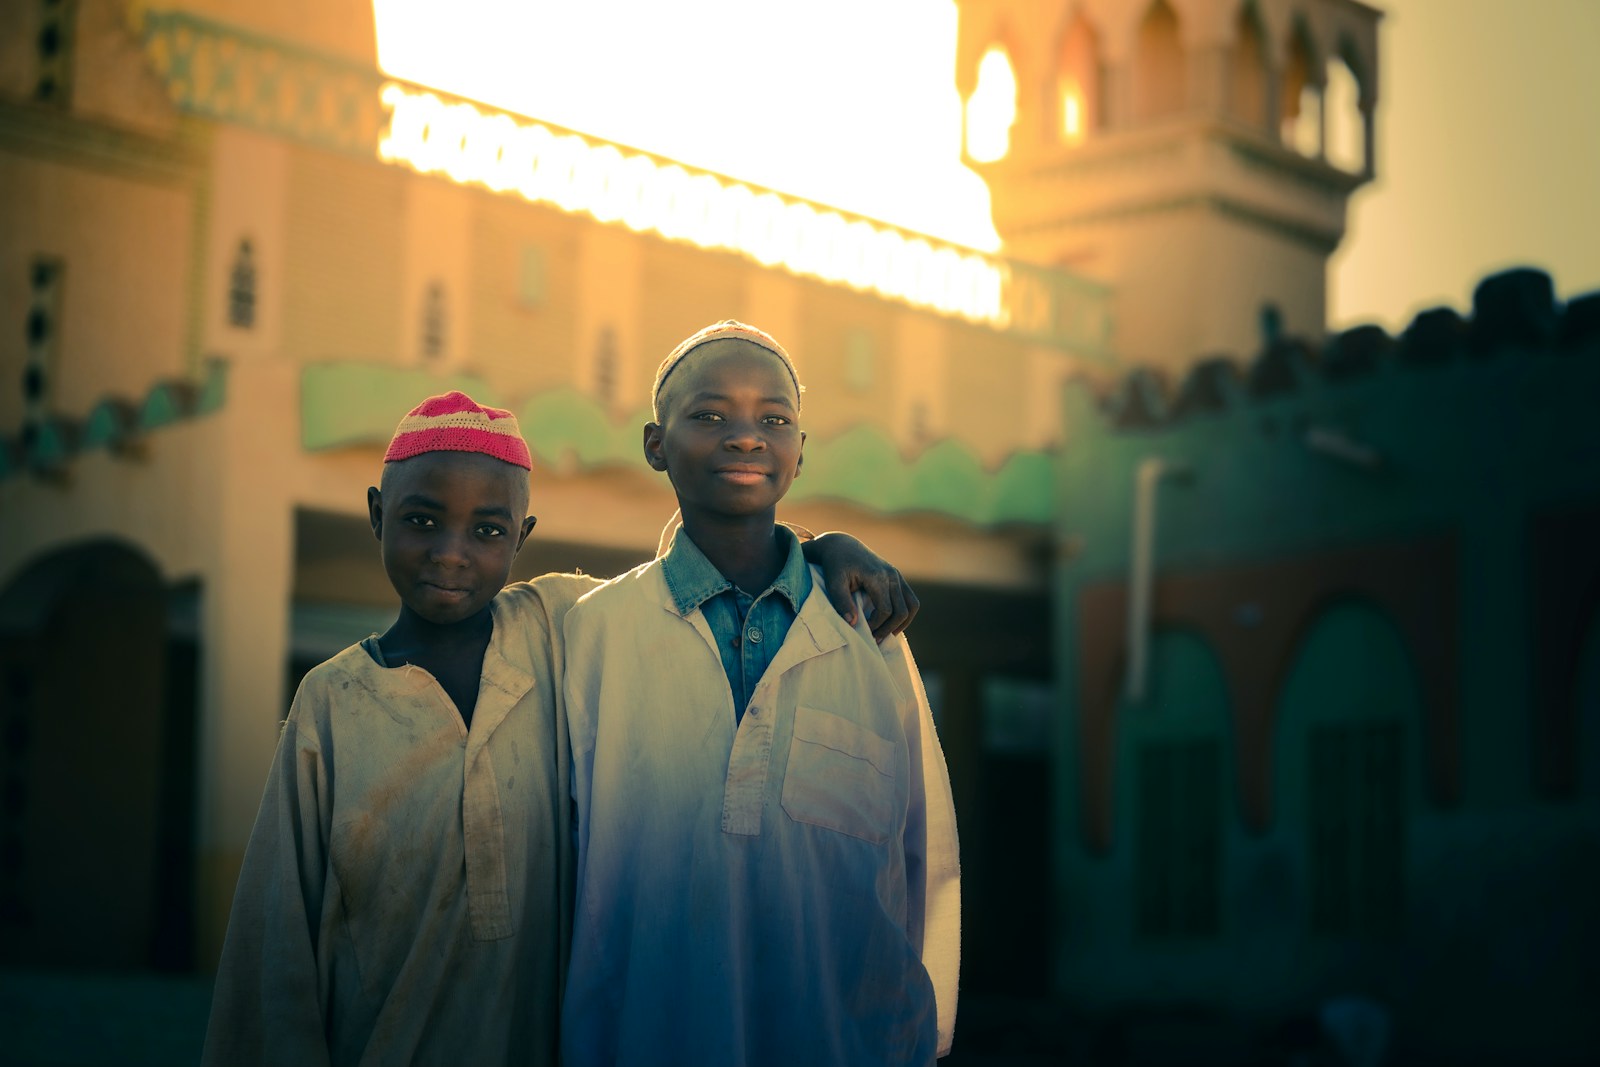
(405,896)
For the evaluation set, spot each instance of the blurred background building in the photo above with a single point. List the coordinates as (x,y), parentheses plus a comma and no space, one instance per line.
(1266,660)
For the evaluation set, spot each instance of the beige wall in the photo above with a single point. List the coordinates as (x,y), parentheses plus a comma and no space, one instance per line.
(125,245)
(346,245)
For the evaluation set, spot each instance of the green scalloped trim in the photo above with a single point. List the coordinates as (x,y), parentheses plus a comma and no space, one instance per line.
(565,423)
(213,389)
(1024,490)
(861,466)
(114,422)
(165,404)
(344,404)
(52,448)
(948,478)
(109,424)
(358,404)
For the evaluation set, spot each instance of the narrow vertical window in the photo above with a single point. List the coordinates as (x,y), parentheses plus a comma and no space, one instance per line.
(53,51)
(434,322)
(242,287)
(42,330)
(605,367)
(532,280)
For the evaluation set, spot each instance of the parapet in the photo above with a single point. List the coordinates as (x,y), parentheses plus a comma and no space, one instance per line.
(1512,311)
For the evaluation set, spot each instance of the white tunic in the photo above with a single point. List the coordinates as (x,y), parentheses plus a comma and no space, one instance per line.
(405,890)
(781,891)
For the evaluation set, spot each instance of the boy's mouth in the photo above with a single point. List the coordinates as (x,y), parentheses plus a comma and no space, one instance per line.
(742,475)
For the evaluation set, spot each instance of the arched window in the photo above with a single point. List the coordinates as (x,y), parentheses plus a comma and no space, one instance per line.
(1346,768)
(1300,118)
(1173,773)
(1346,129)
(992,109)
(1249,97)
(1078,87)
(1160,78)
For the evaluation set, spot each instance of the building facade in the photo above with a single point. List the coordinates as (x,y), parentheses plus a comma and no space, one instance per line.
(1266,663)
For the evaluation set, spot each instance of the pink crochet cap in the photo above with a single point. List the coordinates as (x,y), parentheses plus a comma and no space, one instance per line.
(455,422)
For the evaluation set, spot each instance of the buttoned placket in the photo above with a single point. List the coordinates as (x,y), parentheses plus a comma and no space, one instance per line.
(750,760)
(500,687)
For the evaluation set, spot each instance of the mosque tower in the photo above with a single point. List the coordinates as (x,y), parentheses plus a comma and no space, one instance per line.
(1195,154)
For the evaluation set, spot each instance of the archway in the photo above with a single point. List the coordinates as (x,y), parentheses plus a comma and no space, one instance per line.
(1344,779)
(95,813)
(1160,86)
(1300,99)
(1249,97)
(1078,86)
(1173,755)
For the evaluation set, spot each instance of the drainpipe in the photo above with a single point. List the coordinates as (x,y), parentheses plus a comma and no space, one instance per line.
(1146,479)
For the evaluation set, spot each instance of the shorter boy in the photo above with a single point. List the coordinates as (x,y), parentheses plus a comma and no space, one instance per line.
(405,897)
(402,893)
(767,865)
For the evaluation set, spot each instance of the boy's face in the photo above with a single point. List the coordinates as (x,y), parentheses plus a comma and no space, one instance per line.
(729,436)
(450,524)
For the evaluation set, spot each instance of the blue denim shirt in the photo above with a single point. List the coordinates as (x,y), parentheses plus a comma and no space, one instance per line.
(749,629)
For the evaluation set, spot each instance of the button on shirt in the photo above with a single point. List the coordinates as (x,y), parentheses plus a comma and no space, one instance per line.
(749,629)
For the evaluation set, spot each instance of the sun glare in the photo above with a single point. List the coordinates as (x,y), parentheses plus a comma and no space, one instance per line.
(801,100)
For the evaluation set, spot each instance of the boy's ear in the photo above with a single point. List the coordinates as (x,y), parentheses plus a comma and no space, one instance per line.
(527,528)
(800,460)
(654,453)
(375,511)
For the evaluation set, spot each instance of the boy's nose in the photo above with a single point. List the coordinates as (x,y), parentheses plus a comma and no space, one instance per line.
(746,438)
(450,549)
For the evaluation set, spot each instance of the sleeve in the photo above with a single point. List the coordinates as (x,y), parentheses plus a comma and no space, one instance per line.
(267,1006)
(560,591)
(933,860)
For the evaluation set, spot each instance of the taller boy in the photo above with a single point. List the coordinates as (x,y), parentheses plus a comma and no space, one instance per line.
(767,865)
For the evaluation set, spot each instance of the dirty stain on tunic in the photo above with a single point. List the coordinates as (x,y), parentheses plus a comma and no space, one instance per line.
(405,897)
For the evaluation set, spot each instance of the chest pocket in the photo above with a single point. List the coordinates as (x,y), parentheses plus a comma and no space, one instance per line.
(840,776)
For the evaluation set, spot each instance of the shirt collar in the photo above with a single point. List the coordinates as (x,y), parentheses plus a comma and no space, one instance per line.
(692,579)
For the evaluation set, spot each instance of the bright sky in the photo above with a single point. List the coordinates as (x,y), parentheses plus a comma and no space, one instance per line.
(1488,151)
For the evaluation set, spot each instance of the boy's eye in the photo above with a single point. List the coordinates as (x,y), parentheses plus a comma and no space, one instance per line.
(706,416)
(490,531)
(776,420)
(420,520)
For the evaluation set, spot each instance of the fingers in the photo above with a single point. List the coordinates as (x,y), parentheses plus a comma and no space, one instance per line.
(913,605)
(838,589)
(890,615)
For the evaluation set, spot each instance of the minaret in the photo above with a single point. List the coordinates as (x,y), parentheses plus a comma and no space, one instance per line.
(1195,154)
